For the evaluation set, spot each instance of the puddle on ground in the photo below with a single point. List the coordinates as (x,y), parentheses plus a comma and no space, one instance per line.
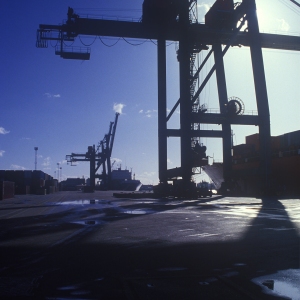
(283,283)
(85,202)
(239,264)
(89,222)
(280,229)
(138,211)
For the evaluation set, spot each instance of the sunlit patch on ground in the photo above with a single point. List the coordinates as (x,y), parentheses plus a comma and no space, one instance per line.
(283,283)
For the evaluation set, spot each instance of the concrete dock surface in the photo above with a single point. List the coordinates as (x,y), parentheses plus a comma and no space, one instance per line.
(74,245)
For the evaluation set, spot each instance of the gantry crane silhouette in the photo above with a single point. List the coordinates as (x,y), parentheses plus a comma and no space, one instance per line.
(226,25)
(99,157)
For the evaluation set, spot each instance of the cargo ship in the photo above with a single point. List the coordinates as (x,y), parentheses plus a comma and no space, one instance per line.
(122,180)
(245,179)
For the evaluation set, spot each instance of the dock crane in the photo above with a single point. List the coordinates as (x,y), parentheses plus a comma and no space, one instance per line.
(173,20)
(99,157)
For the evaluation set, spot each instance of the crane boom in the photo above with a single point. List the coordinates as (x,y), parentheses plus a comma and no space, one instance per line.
(198,32)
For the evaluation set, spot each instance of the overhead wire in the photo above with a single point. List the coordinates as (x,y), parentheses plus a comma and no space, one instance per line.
(108,45)
(87,45)
(134,44)
(290,6)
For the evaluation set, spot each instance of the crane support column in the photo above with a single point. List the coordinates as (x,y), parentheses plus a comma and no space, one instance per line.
(162,110)
(261,94)
(92,155)
(185,97)
(223,101)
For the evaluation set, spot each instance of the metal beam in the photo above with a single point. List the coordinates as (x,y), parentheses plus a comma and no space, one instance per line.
(194,78)
(196,133)
(162,110)
(196,32)
(211,118)
(223,102)
(261,94)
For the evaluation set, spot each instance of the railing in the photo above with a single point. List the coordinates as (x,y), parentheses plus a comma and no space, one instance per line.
(72,49)
(111,18)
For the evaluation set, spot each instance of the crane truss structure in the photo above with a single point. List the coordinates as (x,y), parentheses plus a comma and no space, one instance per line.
(175,22)
(99,157)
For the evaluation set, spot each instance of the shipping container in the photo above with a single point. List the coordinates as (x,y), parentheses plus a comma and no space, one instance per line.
(2,175)
(22,189)
(7,190)
(254,140)
(275,143)
(291,139)
(243,150)
(38,174)
(10,175)
(41,191)
(27,174)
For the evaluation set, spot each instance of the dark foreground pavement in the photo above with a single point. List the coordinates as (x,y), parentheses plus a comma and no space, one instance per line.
(72,245)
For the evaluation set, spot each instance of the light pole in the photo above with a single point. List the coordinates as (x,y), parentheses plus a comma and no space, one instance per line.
(58,172)
(35,162)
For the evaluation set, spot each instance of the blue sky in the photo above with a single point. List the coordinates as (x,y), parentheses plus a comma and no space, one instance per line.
(63,106)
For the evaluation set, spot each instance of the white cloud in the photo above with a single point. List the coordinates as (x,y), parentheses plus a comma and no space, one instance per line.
(148,113)
(25,139)
(48,95)
(2,153)
(3,130)
(169,161)
(46,162)
(115,162)
(118,107)
(283,25)
(204,6)
(17,167)
(147,177)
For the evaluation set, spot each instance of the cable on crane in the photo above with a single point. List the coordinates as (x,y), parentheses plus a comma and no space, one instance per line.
(67,44)
(134,44)
(290,7)
(87,44)
(108,45)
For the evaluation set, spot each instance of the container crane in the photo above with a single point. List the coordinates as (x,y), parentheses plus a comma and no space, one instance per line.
(173,21)
(99,157)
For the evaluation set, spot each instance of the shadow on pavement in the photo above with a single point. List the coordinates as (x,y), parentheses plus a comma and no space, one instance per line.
(93,262)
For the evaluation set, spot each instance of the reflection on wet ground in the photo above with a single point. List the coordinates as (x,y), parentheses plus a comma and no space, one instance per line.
(85,202)
(283,283)
(209,248)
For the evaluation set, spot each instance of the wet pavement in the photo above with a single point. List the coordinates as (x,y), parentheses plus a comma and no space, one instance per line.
(74,245)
